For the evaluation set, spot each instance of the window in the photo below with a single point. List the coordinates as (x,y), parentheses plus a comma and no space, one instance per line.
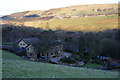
(51,53)
(31,54)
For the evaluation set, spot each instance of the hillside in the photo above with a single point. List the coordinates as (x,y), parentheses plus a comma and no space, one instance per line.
(98,23)
(74,18)
(78,10)
(16,67)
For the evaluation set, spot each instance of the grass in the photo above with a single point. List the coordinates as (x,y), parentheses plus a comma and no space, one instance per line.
(79,10)
(98,23)
(16,67)
(91,65)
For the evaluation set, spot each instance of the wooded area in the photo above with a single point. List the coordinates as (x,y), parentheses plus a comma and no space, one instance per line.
(104,43)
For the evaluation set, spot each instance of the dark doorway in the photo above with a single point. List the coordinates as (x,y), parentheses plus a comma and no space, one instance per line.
(38,55)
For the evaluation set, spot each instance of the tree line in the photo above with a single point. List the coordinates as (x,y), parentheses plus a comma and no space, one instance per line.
(102,43)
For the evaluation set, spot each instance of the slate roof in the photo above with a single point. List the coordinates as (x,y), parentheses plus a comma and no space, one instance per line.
(37,42)
(50,44)
(26,40)
(55,43)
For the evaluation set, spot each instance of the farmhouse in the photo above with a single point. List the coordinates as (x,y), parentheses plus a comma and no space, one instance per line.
(31,51)
(55,49)
(34,47)
(21,44)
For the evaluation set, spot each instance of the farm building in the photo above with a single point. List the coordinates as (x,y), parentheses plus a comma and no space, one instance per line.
(34,47)
(54,49)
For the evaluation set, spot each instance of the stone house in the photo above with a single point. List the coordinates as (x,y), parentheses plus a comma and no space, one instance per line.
(55,49)
(24,47)
(23,43)
(30,46)
(31,52)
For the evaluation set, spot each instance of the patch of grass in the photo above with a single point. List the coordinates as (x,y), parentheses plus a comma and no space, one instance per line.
(16,67)
(91,65)
(90,12)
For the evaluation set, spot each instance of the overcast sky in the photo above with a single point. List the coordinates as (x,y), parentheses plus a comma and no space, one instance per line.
(12,6)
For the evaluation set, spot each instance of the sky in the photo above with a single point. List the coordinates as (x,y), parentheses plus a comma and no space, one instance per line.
(12,6)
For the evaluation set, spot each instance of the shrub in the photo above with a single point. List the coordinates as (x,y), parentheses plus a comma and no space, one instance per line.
(76,57)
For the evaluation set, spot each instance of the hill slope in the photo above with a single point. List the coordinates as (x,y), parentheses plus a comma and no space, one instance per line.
(98,23)
(79,10)
(73,18)
(16,67)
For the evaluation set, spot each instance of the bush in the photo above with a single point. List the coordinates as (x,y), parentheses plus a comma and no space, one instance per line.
(76,57)
(96,61)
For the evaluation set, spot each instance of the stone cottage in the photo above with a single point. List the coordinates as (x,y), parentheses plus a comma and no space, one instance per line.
(24,46)
(55,49)
(33,48)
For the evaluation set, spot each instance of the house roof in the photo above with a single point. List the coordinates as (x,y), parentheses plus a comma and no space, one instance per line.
(55,43)
(40,43)
(52,43)
(37,43)
(26,40)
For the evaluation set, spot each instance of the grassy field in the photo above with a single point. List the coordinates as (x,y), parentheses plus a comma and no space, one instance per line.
(90,65)
(98,23)
(16,67)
